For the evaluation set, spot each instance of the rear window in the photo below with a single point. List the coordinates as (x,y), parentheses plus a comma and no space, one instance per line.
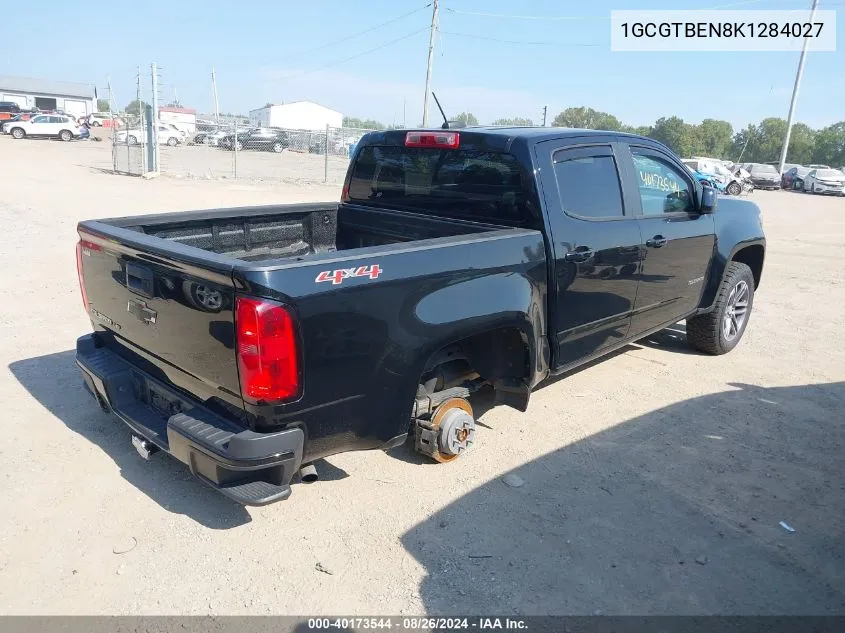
(466,184)
(764,169)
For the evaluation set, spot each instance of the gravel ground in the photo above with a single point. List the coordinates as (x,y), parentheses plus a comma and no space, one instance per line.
(651,482)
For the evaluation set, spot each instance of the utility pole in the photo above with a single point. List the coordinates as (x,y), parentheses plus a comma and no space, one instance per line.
(798,76)
(545,109)
(154,116)
(430,62)
(111,99)
(214,92)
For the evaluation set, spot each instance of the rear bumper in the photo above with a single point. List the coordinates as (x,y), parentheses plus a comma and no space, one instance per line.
(249,468)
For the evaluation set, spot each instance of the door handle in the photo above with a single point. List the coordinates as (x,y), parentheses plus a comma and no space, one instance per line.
(579,255)
(657,241)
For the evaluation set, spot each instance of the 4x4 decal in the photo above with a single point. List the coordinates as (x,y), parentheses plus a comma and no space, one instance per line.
(337,276)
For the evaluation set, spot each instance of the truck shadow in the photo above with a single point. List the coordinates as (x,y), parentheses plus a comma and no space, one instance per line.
(164,480)
(674,512)
(671,339)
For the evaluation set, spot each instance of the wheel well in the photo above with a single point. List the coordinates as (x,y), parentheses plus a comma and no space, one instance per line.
(496,354)
(752,256)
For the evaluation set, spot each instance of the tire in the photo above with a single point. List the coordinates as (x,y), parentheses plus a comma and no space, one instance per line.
(172,141)
(66,135)
(17,133)
(239,146)
(711,333)
(277,147)
(96,124)
(734,189)
(131,140)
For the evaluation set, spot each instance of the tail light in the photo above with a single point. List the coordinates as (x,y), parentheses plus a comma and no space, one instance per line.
(268,360)
(83,248)
(438,140)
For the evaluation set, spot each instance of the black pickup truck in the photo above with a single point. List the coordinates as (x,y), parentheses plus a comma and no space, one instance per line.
(250,342)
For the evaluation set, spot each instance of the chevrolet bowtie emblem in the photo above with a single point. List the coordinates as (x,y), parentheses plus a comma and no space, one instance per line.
(140,310)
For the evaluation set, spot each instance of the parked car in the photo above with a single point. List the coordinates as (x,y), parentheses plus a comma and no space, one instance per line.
(166,136)
(45,125)
(9,109)
(718,172)
(104,119)
(706,179)
(211,137)
(23,116)
(266,139)
(764,176)
(176,129)
(788,166)
(249,343)
(794,178)
(831,181)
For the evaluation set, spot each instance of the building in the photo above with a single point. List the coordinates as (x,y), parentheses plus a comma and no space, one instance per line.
(72,98)
(299,115)
(183,118)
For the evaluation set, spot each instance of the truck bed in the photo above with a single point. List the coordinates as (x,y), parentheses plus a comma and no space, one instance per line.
(262,233)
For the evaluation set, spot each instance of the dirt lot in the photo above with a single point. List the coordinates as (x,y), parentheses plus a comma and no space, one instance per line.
(654,481)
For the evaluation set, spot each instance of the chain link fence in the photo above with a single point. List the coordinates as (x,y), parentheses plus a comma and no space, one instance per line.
(237,151)
(162,136)
(130,150)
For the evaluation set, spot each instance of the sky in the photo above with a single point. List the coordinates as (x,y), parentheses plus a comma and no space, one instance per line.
(264,51)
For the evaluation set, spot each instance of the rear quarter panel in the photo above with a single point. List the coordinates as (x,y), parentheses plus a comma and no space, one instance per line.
(365,340)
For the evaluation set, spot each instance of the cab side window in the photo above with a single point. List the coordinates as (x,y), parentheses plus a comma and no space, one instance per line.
(588,183)
(661,186)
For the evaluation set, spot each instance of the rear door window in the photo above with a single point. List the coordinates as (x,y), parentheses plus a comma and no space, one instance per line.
(588,183)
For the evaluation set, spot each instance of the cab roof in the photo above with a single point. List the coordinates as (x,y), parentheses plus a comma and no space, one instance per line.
(495,138)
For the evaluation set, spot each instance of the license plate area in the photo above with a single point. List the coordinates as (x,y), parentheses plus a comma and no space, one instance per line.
(164,401)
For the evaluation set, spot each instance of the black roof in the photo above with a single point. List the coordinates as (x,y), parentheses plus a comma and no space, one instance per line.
(540,133)
(499,138)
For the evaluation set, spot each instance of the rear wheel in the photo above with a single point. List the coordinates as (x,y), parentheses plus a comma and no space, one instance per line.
(277,147)
(95,123)
(239,146)
(131,140)
(172,141)
(18,133)
(719,331)
(734,189)
(66,135)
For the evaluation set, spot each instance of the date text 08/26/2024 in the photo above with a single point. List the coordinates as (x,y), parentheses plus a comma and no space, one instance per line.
(417,623)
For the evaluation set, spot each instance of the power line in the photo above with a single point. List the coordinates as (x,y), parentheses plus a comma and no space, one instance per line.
(528,17)
(356,56)
(354,35)
(495,39)
(580,17)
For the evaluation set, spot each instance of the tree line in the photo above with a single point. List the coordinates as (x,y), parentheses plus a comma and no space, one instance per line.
(756,143)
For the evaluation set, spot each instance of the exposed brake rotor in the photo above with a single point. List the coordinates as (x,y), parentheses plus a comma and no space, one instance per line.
(449,432)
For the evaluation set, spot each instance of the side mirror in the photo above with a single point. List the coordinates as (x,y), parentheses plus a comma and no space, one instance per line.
(708,200)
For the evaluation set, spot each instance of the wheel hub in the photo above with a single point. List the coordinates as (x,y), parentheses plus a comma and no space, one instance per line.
(736,311)
(449,432)
(457,432)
